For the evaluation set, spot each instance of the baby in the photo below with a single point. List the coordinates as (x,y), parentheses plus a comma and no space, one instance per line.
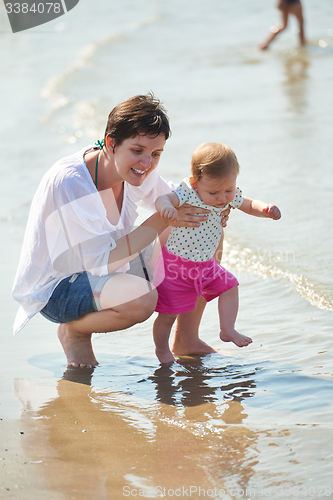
(189,260)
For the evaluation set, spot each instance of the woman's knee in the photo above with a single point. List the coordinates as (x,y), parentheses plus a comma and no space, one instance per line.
(142,308)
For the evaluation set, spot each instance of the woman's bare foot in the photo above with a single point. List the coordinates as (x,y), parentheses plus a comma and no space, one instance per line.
(164,356)
(235,337)
(183,346)
(78,348)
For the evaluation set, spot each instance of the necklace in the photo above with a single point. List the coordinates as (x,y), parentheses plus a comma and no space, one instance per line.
(100,144)
(96,171)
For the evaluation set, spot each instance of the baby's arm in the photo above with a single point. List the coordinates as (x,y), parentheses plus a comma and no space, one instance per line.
(260,209)
(166,206)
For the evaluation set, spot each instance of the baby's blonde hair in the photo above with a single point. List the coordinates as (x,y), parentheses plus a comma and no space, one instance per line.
(214,159)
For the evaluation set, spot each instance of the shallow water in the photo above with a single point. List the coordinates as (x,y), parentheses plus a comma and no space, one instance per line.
(251,422)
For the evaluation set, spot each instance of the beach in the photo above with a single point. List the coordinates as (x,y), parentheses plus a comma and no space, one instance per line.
(238,424)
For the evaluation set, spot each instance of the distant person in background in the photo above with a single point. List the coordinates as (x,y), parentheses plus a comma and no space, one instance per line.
(287,7)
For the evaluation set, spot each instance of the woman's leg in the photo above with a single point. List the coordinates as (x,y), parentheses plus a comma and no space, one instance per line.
(125,299)
(161,331)
(186,340)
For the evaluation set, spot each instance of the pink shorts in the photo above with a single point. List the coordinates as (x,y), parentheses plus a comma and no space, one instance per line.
(185,280)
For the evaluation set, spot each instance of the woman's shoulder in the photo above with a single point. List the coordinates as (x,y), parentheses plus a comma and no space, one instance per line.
(69,170)
(67,180)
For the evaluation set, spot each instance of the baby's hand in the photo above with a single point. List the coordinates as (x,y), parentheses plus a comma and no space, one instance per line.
(168,212)
(272,211)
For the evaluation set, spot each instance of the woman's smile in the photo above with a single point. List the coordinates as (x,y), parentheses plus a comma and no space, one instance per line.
(137,171)
(137,157)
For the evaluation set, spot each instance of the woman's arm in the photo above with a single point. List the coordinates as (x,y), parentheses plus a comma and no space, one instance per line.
(129,246)
(260,209)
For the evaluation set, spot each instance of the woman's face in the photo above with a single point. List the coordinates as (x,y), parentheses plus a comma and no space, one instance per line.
(135,158)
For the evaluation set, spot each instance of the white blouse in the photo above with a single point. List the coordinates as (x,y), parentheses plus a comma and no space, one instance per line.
(68,230)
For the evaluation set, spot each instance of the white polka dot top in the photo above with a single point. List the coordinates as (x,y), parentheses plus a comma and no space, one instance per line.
(198,243)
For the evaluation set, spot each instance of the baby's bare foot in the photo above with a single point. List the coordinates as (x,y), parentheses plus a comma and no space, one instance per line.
(182,347)
(164,356)
(235,337)
(78,348)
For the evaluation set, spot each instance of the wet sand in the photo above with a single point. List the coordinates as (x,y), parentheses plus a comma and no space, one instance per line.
(87,441)
(72,449)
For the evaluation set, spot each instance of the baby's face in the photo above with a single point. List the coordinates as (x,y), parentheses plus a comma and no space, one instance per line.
(216,191)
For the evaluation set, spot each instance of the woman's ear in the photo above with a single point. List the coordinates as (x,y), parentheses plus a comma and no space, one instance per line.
(110,143)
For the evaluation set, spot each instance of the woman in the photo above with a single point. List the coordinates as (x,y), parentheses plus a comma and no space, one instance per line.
(287,7)
(79,238)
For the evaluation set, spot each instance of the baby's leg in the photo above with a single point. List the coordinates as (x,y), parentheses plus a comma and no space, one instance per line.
(228,308)
(161,330)
(186,340)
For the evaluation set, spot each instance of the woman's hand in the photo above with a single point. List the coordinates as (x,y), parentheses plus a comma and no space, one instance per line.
(189,216)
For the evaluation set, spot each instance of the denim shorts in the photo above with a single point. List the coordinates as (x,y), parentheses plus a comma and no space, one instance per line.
(79,294)
(74,297)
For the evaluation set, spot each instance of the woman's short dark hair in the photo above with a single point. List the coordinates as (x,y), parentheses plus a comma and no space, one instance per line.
(138,115)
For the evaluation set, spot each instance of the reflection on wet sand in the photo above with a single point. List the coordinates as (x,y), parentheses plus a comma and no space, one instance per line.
(296,65)
(195,383)
(93,443)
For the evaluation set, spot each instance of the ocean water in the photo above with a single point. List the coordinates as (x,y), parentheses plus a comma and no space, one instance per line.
(258,418)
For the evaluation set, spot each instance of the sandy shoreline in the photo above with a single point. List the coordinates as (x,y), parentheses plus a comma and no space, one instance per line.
(73,449)
(129,426)
(235,419)
(20,475)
